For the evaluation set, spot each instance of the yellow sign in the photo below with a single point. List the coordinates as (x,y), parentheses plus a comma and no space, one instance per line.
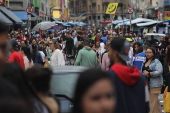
(111,9)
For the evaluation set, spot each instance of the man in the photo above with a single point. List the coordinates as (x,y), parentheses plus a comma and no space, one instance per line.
(102,45)
(105,59)
(15,54)
(86,56)
(128,81)
(162,45)
(140,58)
(153,41)
(104,38)
(74,37)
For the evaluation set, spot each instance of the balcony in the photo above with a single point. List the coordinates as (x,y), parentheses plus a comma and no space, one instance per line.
(106,1)
(93,12)
(93,1)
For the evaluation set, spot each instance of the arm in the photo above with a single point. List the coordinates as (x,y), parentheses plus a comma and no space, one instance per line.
(78,59)
(60,59)
(104,63)
(11,58)
(159,69)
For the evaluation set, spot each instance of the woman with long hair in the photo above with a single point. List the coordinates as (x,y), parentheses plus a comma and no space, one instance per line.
(166,68)
(94,93)
(152,69)
(25,51)
(70,52)
(17,77)
(136,46)
(39,79)
(57,58)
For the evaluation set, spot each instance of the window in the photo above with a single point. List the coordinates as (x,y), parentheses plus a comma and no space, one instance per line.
(90,8)
(89,17)
(98,17)
(98,7)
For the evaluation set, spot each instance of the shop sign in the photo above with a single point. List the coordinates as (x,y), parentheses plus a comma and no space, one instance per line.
(167,2)
(167,15)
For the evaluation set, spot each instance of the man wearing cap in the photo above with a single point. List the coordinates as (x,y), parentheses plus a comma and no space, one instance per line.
(130,86)
(15,54)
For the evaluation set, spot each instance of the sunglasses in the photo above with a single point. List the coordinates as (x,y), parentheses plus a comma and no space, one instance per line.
(50,43)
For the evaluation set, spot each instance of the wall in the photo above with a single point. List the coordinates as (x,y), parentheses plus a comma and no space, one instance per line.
(18,4)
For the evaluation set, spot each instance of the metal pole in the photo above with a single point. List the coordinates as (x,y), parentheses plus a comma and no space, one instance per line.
(130,21)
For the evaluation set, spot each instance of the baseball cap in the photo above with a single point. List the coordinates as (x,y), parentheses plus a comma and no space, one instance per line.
(14,44)
(122,46)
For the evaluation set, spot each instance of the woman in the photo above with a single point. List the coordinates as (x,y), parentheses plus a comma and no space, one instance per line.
(57,58)
(94,93)
(136,46)
(97,48)
(70,52)
(25,51)
(39,79)
(17,77)
(166,68)
(152,69)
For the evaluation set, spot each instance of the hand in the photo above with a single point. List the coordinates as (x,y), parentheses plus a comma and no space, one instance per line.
(146,73)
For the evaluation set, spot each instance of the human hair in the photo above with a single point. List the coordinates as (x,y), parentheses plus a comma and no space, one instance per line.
(79,38)
(3,28)
(40,78)
(16,76)
(85,81)
(140,49)
(168,55)
(145,47)
(86,42)
(27,52)
(154,53)
(56,44)
(34,51)
(69,45)
(138,44)
(40,47)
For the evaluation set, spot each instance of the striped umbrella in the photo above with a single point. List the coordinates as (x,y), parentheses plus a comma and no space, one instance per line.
(43,26)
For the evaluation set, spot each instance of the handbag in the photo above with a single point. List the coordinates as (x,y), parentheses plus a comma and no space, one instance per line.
(166,100)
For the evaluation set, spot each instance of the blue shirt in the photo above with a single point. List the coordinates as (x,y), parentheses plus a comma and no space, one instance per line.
(139,59)
(104,39)
(75,40)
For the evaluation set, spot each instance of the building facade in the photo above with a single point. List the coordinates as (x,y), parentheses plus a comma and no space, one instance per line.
(97,9)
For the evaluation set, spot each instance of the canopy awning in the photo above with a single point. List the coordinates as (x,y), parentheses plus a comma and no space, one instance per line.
(120,21)
(23,15)
(148,23)
(8,13)
(139,20)
(4,19)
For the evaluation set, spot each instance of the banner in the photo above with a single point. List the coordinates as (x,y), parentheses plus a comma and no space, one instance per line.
(167,15)
(111,9)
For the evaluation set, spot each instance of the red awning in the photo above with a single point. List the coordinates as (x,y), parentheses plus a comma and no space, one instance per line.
(105,21)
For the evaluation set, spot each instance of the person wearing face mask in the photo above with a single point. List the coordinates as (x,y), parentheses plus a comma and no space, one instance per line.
(94,93)
(152,69)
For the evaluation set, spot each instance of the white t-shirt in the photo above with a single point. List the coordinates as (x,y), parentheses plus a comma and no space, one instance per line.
(57,58)
(42,55)
(102,48)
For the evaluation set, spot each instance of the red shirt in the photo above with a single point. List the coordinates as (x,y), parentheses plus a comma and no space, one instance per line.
(18,58)
(97,38)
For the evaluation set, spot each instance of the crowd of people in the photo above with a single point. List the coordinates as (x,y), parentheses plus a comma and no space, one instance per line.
(126,76)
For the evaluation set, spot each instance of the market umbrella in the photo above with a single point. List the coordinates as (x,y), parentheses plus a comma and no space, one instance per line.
(43,26)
